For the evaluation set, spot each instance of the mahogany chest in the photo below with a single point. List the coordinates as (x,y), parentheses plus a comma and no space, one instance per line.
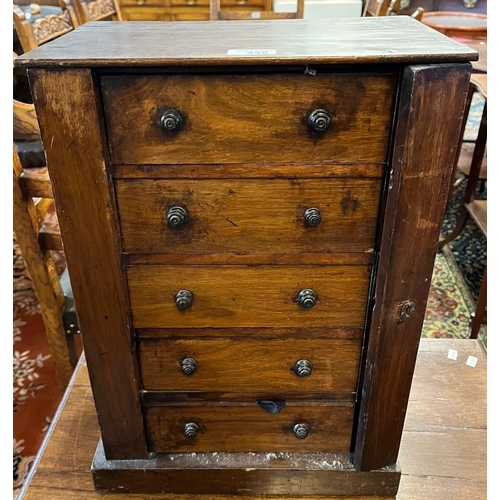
(250,213)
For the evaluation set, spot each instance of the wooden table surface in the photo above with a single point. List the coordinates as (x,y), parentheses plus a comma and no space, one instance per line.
(442,456)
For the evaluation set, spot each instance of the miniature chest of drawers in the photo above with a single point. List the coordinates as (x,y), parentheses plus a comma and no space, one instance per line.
(250,213)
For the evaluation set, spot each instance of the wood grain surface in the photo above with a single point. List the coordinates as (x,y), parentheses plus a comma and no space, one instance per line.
(25,124)
(384,39)
(67,106)
(249,428)
(250,365)
(254,475)
(248,296)
(249,216)
(251,333)
(461,388)
(162,398)
(413,215)
(248,118)
(251,259)
(251,171)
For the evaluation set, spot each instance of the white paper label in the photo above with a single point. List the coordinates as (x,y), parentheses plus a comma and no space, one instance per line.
(471,361)
(251,52)
(452,354)
(255,15)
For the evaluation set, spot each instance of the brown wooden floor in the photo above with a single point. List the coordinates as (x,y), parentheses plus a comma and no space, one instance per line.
(442,457)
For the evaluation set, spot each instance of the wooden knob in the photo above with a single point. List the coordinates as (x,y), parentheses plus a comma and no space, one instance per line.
(307,298)
(301,431)
(188,366)
(190,430)
(312,217)
(303,368)
(177,217)
(183,299)
(319,120)
(171,120)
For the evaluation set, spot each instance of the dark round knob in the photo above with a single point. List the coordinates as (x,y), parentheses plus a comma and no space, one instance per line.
(183,299)
(190,430)
(303,368)
(170,120)
(301,431)
(319,120)
(307,298)
(188,366)
(312,217)
(177,217)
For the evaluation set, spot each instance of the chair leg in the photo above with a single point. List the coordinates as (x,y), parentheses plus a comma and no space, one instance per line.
(462,219)
(480,309)
(458,182)
(468,103)
(42,283)
(72,349)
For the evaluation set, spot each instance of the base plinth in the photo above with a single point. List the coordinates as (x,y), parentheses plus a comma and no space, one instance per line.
(244,474)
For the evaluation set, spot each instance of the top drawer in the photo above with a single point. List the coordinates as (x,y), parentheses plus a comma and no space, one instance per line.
(248,118)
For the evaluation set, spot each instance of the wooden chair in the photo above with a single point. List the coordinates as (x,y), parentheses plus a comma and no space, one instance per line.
(32,35)
(375,8)
(418,14)
(480,317)
(216,13)
(27,136)
(98,10)
(33,204)
(475,209)
(26,133)
(25,122)
(464,156)
(394,7)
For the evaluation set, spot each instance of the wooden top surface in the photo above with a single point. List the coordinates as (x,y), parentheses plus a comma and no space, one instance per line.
(442,457)
(392,39)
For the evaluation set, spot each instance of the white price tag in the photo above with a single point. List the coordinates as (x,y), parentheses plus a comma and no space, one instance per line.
(251,52)
(471,361)
(452,354)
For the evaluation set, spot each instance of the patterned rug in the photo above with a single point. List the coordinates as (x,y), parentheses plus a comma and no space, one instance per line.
(464,258)
(36,388)
(458,271)
(450,302)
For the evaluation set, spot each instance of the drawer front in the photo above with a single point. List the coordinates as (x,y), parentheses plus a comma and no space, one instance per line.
(226,365)
(140,5)
(249,428)
(246,296)
(241,4)
(248,118)
(244,5)
(224,3)
(247,216)
(189,14)
(145,14)
(190,3)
